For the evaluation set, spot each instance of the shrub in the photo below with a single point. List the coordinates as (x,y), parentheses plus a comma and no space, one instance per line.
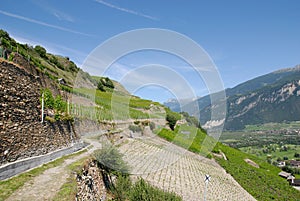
(152,125)
(135,128)
(11,57)
(122,187)
(48,98)
(110,159)
(57,117)
(50,119)
(59,104)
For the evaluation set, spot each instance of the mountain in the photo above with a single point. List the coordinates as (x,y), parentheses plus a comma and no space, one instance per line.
(175,105)
(273,97)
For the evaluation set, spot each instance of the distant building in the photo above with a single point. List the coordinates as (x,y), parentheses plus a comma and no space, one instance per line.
(284,174)
(295,182)
(291,177)
(281,164)
(295,163)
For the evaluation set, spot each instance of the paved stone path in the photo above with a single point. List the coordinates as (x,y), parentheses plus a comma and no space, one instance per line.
(172,168)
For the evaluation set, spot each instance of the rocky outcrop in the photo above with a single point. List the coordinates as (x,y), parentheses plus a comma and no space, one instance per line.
(22,134)
(90,185)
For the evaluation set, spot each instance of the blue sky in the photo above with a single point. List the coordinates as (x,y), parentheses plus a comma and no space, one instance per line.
(245,39)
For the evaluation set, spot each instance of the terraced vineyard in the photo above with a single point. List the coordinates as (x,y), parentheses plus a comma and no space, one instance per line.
(172,168)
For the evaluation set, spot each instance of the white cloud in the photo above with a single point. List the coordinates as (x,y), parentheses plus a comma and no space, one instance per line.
(127,10)
(157,75)
(41,23)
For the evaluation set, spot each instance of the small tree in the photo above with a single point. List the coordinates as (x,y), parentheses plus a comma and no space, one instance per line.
(40,50)
(100,86)
(172,119)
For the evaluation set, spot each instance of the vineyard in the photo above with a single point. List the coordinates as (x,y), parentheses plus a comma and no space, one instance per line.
(115,106)
(174,169)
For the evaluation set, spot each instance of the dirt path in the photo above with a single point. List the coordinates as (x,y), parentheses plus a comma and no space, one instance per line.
(46,185)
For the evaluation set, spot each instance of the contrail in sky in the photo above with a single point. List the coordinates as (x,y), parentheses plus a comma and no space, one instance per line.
(127,10)
(42,23)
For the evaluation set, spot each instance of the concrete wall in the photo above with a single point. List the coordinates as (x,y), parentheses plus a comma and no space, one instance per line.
(17,167)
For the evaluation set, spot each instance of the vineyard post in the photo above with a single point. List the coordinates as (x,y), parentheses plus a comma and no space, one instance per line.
(68,107)
(42,108)
(207,180)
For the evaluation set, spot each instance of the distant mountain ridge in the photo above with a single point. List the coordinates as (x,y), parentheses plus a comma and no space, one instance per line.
(274,97)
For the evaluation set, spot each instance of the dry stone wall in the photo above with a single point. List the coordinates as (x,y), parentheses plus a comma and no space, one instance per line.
(90,185)
(22,134)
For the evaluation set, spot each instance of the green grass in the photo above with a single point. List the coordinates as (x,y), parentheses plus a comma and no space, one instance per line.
(114,106)
(8,187)
(277,153)
(190,138)
(69,189)
(246,138)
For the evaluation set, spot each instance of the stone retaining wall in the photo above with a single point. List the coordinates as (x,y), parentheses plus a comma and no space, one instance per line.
(22,134)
